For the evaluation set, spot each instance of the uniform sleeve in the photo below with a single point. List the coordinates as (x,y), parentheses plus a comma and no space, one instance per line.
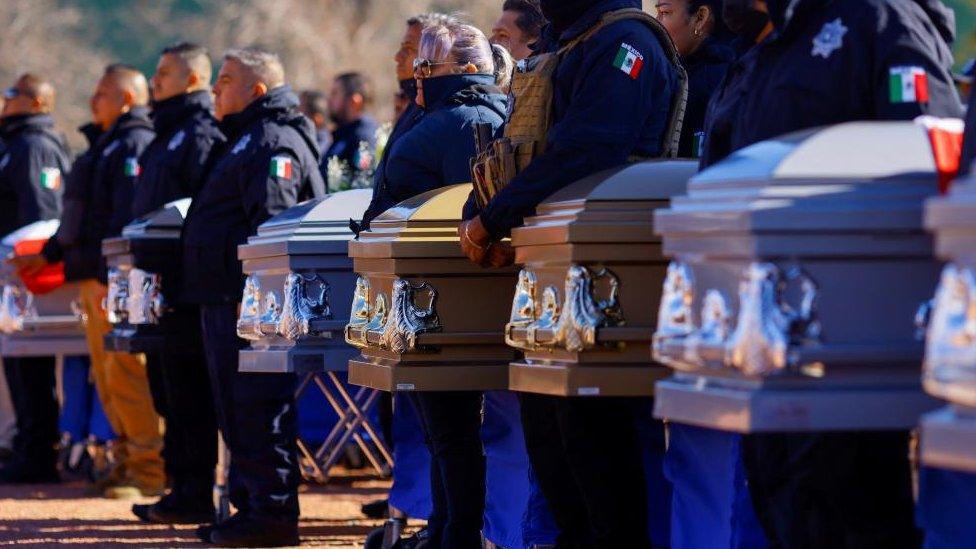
(913,76)
(272,184)
(126,168)
(35,176)
(598,130)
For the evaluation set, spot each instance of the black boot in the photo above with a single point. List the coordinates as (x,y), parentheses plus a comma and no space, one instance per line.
(253,532)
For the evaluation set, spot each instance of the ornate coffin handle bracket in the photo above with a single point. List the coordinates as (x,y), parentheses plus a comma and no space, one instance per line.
(248,321)
(16,305)
(364,319)
(768,328)
(406,320)
(269,319)
(523,308)
(573,325)
(115,301)
(582,315)
(950,346)
(300,308)
(144,301)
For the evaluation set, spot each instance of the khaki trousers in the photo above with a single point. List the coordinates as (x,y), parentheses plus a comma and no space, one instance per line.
(123,389)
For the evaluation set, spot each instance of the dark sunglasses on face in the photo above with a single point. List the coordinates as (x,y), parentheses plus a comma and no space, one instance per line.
(11,93)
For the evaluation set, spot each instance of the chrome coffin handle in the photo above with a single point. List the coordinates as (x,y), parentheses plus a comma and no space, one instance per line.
(299,309)
(247,320)
(405,320)
(767,328)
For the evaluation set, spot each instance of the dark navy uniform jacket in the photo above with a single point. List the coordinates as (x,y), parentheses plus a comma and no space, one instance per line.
(113,183)
(383,197)
(173,164)
(835,61)
(706,68)
(68,243)
(437,152)
(33,162)
(347,146)
(268,164)
(723,108)
(602,116)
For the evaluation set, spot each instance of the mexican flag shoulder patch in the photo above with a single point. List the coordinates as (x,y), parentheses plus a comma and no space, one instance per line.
(908,85)
(51,179)
(629,60)
(281,167)
(132,167)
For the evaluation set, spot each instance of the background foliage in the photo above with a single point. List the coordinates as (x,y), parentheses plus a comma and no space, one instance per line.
(72,40)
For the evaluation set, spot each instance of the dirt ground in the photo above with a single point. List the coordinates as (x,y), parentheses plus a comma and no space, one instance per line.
(44,516)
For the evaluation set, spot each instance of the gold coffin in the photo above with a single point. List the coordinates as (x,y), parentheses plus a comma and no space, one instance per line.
(586,301)
(422,315)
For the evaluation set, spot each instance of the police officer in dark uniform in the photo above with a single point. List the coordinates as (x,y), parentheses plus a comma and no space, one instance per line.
(831,62)
(33,160)
(749,21)
(604,112)
(269,163)
(100,206)
(699,34)
(173,168)
(354,138)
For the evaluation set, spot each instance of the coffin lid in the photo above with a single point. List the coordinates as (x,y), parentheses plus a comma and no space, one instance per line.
(166,221)
(864,177)
(314,226)
(422,226)
(615,205)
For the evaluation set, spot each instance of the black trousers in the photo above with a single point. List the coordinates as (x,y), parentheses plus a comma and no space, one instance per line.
(257,415)
(32,390)
(586,455)
(452,431)
(180,387)
(832,490)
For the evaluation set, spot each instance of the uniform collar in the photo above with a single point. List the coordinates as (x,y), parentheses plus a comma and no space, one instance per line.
(351,128)
(169,113)
(277,101)
(440,89)
(409,88)
(135,118)
(17,123)
(92,132)
(588,14)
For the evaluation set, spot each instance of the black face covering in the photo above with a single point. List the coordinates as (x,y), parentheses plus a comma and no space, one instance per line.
(563,13)
(743,19)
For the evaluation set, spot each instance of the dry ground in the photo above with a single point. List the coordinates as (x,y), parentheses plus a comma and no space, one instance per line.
(44,516)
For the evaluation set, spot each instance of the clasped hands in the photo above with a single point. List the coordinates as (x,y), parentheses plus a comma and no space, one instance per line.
(477,245)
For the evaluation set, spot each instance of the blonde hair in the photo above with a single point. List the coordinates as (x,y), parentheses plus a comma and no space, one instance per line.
(457,42)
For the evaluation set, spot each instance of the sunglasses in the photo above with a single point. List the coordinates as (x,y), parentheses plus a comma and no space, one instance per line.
(422,67)
(12,93)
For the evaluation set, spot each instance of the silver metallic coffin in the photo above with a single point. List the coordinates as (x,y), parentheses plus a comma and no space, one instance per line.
(143,284)
(299,285)
(949,372)
(798,264)
(37,325)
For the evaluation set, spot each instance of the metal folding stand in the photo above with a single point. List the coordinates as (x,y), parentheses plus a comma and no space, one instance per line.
(352,410)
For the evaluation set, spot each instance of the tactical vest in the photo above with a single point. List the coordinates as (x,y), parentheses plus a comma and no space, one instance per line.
(532,116)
